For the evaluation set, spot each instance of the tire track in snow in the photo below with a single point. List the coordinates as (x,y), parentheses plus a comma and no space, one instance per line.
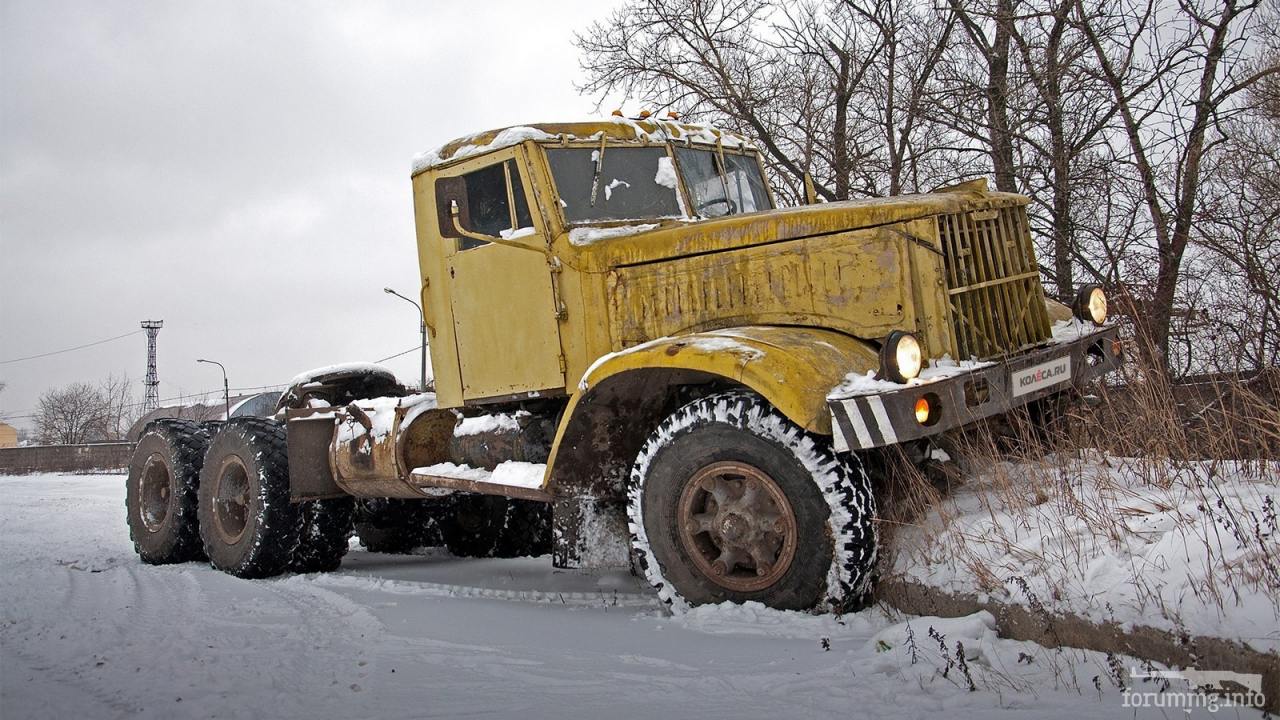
(601,599)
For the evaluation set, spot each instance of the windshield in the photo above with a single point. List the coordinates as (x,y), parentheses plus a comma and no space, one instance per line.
(623,183)
(718,189)
(635,183)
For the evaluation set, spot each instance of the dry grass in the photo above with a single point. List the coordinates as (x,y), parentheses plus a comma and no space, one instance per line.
(1192,467)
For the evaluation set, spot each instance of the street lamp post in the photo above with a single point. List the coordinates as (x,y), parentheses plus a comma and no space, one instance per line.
(422,328)
(226,391)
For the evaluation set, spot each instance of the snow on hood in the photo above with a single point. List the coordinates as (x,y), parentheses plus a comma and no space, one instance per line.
(581,236)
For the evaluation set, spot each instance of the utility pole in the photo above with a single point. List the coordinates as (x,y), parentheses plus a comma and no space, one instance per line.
(422,328)
(151,400)
(226,391)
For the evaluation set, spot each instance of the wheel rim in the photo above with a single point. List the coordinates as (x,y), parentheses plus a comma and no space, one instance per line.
(154,493)
(737,526)
(231,500)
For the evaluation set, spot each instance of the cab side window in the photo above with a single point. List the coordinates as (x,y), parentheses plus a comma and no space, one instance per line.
(491,201)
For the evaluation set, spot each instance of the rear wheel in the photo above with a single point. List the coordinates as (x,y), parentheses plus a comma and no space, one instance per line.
(160,497)
(388,525)
(730,501)
(323,535)
(474,525)
(528,529)
(248,524)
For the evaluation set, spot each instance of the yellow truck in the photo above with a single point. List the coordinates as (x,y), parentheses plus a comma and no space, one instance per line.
(640,359)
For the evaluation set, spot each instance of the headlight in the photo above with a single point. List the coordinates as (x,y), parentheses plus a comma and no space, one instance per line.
(900,357)
(1091,304)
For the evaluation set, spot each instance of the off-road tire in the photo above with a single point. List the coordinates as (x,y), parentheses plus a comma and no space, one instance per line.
(248,453)
(389,525)
(528,530)
(474,525)
(323,536)
(166,463)
(829,496)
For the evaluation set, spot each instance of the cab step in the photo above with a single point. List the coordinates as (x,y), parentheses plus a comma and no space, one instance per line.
(513,479)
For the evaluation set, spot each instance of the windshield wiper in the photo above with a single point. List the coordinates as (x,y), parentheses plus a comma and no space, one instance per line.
(595,179)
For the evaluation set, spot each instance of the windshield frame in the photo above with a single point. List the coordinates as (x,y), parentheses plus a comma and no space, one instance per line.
(683,195)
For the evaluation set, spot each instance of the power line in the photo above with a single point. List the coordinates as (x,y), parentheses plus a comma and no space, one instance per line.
(393,357)
(195,394)
(71,349)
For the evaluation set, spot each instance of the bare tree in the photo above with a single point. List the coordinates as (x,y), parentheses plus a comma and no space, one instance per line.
(1173,84)
(119,410)
(833,88)
(70,415)
(1238,224)
(1116,117)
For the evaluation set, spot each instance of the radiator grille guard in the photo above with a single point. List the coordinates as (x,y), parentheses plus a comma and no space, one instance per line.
(997,302)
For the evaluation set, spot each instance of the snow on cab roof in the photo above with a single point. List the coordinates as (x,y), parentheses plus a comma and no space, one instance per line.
(619,128)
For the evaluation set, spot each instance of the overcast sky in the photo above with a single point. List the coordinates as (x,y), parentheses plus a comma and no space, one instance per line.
(241,171)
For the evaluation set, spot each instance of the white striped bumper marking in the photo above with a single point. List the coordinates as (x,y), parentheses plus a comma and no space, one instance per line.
(882,419)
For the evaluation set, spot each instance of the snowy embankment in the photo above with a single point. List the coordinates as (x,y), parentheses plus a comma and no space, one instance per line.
(88,631)
(1186,547)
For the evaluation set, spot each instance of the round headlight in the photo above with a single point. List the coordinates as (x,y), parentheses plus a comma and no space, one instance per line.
(1091,304)
(900,357)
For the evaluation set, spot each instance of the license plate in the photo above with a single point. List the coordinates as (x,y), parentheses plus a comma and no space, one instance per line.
(1038,377)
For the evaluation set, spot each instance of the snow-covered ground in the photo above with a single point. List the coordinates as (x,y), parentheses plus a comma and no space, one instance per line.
(87,631)
(1181,546)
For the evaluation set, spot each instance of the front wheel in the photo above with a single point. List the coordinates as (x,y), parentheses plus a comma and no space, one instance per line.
(730,501)
(248,524)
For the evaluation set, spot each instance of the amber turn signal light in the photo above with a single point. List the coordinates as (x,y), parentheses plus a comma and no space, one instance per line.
(923,410)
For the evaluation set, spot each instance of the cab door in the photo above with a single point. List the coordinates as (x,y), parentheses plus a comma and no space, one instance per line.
(503,300)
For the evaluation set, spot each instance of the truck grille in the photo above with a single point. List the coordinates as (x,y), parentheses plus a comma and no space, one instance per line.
(997,303)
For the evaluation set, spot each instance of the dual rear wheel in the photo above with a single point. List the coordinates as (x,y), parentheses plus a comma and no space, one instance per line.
(467,525)
(222,493)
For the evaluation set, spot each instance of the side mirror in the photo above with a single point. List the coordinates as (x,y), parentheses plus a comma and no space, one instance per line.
(451,200)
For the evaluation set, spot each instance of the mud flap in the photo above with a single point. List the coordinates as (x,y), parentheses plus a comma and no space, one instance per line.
(310,476)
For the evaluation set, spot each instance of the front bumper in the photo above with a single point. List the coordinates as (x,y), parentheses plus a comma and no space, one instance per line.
(868,420)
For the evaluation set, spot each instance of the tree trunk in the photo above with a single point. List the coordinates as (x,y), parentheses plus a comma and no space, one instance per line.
(998,100)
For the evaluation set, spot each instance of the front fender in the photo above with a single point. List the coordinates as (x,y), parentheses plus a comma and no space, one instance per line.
(794,368)
(625,395)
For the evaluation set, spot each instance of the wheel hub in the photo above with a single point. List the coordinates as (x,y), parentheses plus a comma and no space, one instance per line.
(734,527)
(737,526)
(231,500)
(153,493)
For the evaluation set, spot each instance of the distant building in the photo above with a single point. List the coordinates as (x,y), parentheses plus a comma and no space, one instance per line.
(8,435)
(256,405)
